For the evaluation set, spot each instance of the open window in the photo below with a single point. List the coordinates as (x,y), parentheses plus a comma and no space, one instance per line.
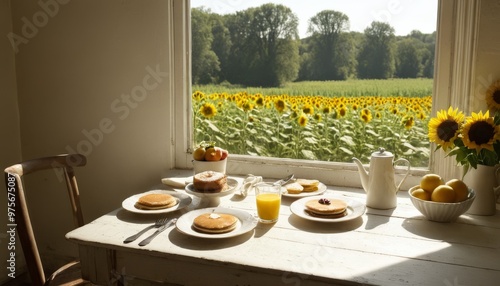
(455,47)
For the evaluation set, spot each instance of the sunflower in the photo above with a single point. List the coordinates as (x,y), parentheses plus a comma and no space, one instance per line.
(198,96)
(480,131)
(327,109)
(308,109)
(247,106)
(302,120)
(366,115)
(493,96)
(259,100)
(342,111)
(408,121)
(280,105)
(445,127)
(208,110)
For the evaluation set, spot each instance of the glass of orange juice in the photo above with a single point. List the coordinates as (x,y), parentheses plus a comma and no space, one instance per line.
(268,199)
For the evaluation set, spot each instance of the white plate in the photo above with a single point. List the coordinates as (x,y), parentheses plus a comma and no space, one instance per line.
(232,186)
(355,208)
(246,222)
(183,201)
(321,189)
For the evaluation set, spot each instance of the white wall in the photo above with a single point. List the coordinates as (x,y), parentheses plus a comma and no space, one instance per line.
(488,53)
(77,68)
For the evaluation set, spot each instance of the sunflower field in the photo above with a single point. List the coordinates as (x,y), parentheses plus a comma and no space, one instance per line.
(327,121)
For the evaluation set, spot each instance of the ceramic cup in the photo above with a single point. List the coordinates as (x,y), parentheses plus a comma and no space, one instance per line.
(268,200)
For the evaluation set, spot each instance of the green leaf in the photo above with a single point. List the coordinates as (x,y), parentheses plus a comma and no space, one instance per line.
(347,151)
(308,154)
(348,140)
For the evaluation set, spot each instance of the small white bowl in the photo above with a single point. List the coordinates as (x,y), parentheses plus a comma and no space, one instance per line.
(442,212)
(216,166)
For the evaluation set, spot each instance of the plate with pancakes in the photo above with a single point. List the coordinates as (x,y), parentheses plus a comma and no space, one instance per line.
(328,208)
(301,188)
(216,222)
(156,201)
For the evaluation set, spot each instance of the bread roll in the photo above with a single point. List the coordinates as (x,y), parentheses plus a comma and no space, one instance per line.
(209,182)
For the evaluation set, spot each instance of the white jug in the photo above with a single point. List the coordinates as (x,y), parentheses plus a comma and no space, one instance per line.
(379,183)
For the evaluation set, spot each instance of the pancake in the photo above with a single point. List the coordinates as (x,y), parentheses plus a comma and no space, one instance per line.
(210,182)
(326,208)
(156,202)
(214,223)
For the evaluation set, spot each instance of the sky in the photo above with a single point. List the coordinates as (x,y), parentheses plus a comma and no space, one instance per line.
(403,15)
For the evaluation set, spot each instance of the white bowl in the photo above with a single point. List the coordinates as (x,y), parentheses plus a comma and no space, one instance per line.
(216,166)
(442,212)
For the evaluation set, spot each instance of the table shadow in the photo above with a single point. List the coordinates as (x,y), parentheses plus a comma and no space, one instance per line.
(377,217)
(445,231)
(139,218)
(201,244)
(324,227)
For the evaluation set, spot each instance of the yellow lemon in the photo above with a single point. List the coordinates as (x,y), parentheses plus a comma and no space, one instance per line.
(430,181)
(443,194)
(199,154)
(421,194)
(460,188)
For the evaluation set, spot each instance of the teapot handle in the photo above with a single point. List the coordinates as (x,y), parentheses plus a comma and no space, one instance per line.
(407,171)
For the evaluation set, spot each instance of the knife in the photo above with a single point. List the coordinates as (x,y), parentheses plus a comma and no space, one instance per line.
(158,231)
(158,223)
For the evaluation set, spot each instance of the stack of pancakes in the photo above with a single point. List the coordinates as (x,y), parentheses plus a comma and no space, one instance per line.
(326,208)
(214,223)
(302,185)
(156,202)
(209,182)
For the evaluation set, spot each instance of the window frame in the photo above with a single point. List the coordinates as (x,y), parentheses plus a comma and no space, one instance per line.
(457,26)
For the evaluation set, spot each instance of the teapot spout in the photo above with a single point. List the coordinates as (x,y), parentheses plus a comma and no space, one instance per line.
(363,174)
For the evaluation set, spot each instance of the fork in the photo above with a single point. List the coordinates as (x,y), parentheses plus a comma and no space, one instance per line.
(285,180)
(158,223)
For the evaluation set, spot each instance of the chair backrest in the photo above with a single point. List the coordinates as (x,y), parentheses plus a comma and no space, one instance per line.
(63,166)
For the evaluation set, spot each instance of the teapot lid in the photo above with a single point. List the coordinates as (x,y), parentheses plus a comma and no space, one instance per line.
(381,153)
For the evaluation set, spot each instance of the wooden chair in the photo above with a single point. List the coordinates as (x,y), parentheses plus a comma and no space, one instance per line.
(63,166)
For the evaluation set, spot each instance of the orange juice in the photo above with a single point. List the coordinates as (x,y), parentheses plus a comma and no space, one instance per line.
(268,207)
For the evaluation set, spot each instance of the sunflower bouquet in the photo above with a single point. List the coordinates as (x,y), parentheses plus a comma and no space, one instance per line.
(473,140)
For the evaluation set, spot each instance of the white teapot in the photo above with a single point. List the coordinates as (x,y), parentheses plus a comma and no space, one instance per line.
(379,183)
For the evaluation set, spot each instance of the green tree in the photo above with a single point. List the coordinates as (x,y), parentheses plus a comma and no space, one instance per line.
(331,48)
(408,58)
(265,46)
(221,44)
(376,59)
(428,55)
(205,64)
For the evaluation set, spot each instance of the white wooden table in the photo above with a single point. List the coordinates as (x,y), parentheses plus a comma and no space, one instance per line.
(391,247)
